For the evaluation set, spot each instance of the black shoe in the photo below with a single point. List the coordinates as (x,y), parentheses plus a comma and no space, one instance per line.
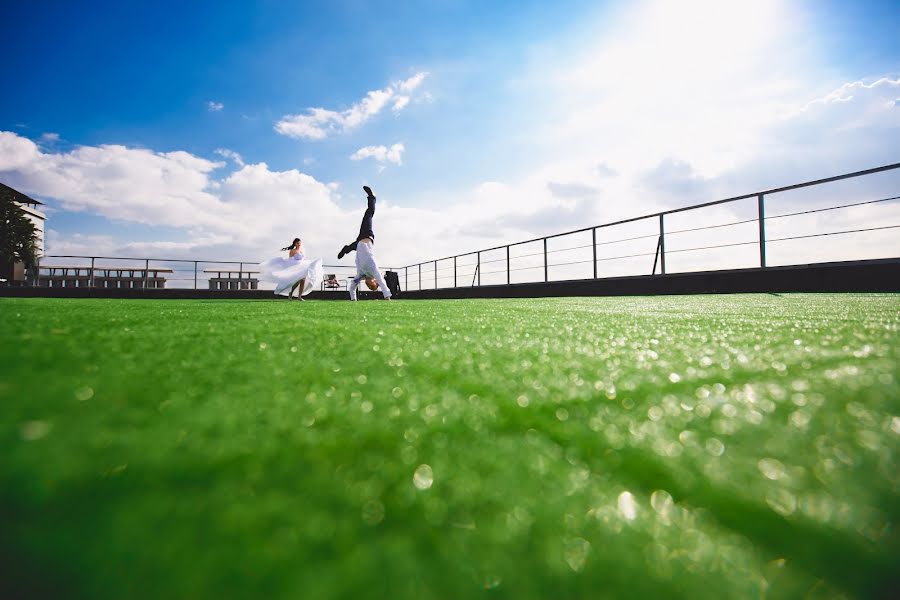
(344,251)
(368,191)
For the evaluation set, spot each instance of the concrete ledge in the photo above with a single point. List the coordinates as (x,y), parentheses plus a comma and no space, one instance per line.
(881,275)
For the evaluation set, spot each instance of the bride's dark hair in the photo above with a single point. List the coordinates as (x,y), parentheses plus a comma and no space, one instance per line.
(292,244)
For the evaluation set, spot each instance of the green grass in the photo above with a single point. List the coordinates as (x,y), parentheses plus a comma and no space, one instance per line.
(707,446)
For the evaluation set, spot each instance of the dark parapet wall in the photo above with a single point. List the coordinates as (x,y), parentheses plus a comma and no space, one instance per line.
(858,276)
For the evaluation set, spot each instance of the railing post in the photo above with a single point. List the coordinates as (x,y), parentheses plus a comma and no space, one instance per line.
(594,249)
(662,246)
(92,272)
(655,256)
(146,271)
(478,268)
(454,271)
(546,277)
(507,265)
(762,231)
(195,274)
(435,274)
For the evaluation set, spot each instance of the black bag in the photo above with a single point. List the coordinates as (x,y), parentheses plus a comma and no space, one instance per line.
(393,282)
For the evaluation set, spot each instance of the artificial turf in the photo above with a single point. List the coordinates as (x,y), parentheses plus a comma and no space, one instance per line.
(710,446)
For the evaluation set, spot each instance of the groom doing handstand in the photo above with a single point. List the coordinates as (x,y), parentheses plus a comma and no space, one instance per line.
(366,267)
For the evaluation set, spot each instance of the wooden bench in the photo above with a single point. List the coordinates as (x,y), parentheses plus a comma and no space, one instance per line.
(232,279)
(64,276)
(136,278)
(76,276)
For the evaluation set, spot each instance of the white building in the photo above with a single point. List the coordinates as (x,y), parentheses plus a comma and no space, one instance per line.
(30,207)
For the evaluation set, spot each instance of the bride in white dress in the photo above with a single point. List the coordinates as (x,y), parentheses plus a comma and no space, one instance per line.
(292,272)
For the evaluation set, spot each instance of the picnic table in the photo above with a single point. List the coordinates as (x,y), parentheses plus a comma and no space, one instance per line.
(119,277)
(232,279)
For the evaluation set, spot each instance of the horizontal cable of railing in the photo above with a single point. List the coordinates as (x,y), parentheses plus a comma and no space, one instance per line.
(729,245)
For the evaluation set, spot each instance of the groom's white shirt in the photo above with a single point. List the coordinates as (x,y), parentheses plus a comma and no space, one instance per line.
(367,267)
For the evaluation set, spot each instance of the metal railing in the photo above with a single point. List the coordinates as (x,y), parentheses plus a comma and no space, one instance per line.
(454,276)
(499,264)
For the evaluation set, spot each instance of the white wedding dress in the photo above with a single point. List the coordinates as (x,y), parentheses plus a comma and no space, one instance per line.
(285,272)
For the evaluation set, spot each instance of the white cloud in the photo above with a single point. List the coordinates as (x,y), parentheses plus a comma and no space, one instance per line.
(400,103)
(413,82)
(244,215)
(571,189)
(604,170)
(213,106)
(154,188)
(846,92)
(15,151)
(50,137)
(225,152)
(319,123)
(381,153)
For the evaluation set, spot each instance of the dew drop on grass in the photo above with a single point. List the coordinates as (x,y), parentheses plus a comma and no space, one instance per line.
(662,503)
(373,512)
(771,468)
(627,506)
(799,419)
(34,430)
(423,477)
(715,447)
(408,455)
(782,501)
(84,393)
(576,553)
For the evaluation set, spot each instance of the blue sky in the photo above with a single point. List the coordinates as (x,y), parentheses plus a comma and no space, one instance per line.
(522,110)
